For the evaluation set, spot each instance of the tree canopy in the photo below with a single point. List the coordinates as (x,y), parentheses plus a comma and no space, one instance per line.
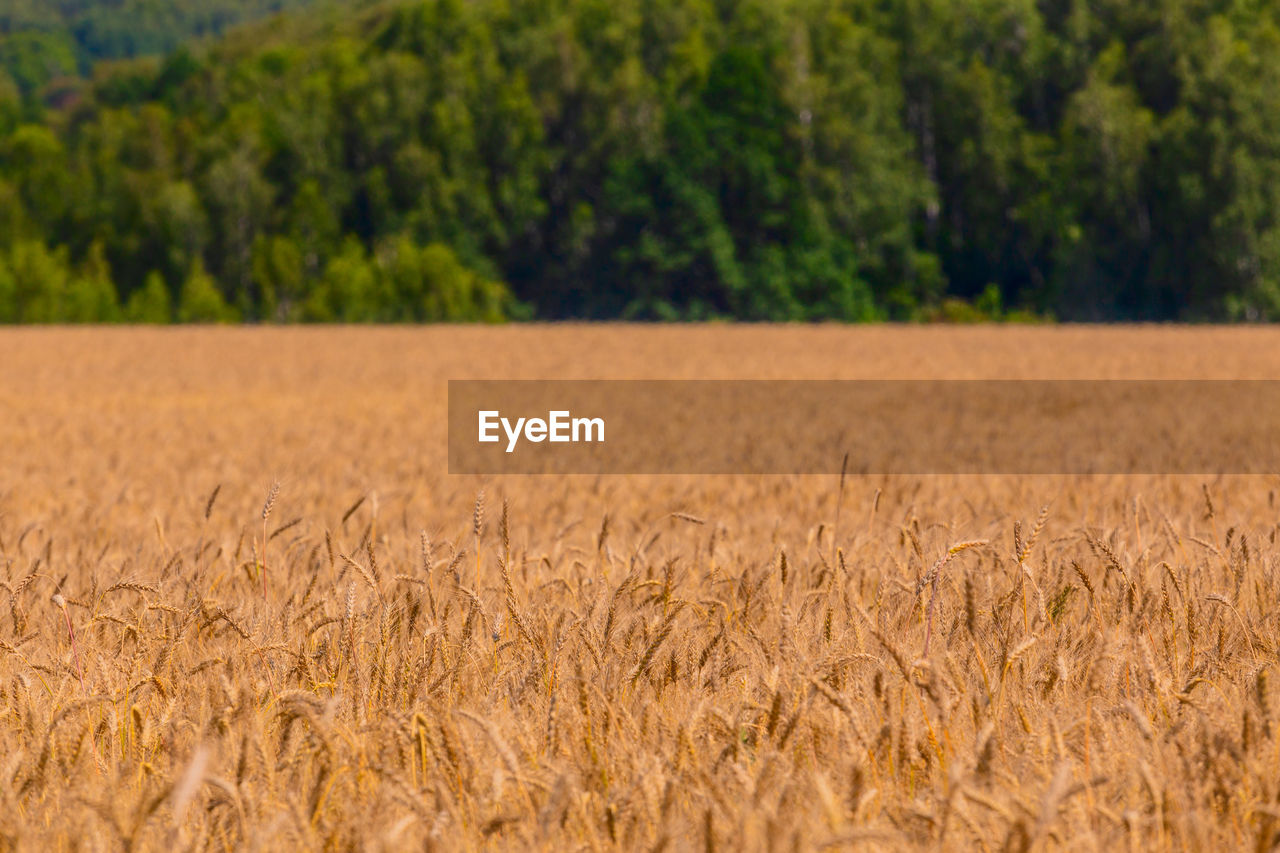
(653,159)
(42,40)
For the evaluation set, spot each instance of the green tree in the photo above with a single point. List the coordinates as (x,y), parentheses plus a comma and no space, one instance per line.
(1107,142)
(35,162)
(279,276)
(430,284)
(350,290)
(200,300)
(239,200)
(151,303)
(91,295)
(38,281)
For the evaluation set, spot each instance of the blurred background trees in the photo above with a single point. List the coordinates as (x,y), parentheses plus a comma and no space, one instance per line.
(653,159)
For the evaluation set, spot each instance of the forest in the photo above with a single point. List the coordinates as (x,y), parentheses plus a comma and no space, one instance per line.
(483,160)
(42,40)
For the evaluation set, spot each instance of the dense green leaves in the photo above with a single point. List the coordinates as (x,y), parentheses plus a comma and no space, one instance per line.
(40,286)
(484,159)
(41,40)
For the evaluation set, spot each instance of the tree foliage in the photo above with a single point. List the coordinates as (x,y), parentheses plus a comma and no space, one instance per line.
(804,159)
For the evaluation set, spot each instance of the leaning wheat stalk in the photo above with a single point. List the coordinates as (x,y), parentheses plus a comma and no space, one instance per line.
(266,514)
(931,579)
(61,604)
(477,528)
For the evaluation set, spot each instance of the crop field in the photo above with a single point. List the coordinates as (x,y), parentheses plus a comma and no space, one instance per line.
(244,606)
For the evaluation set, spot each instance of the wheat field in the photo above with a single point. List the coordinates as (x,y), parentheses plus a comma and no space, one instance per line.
(243,606)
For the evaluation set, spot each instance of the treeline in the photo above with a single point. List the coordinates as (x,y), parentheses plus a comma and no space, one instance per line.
(757,159)
(45,42)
